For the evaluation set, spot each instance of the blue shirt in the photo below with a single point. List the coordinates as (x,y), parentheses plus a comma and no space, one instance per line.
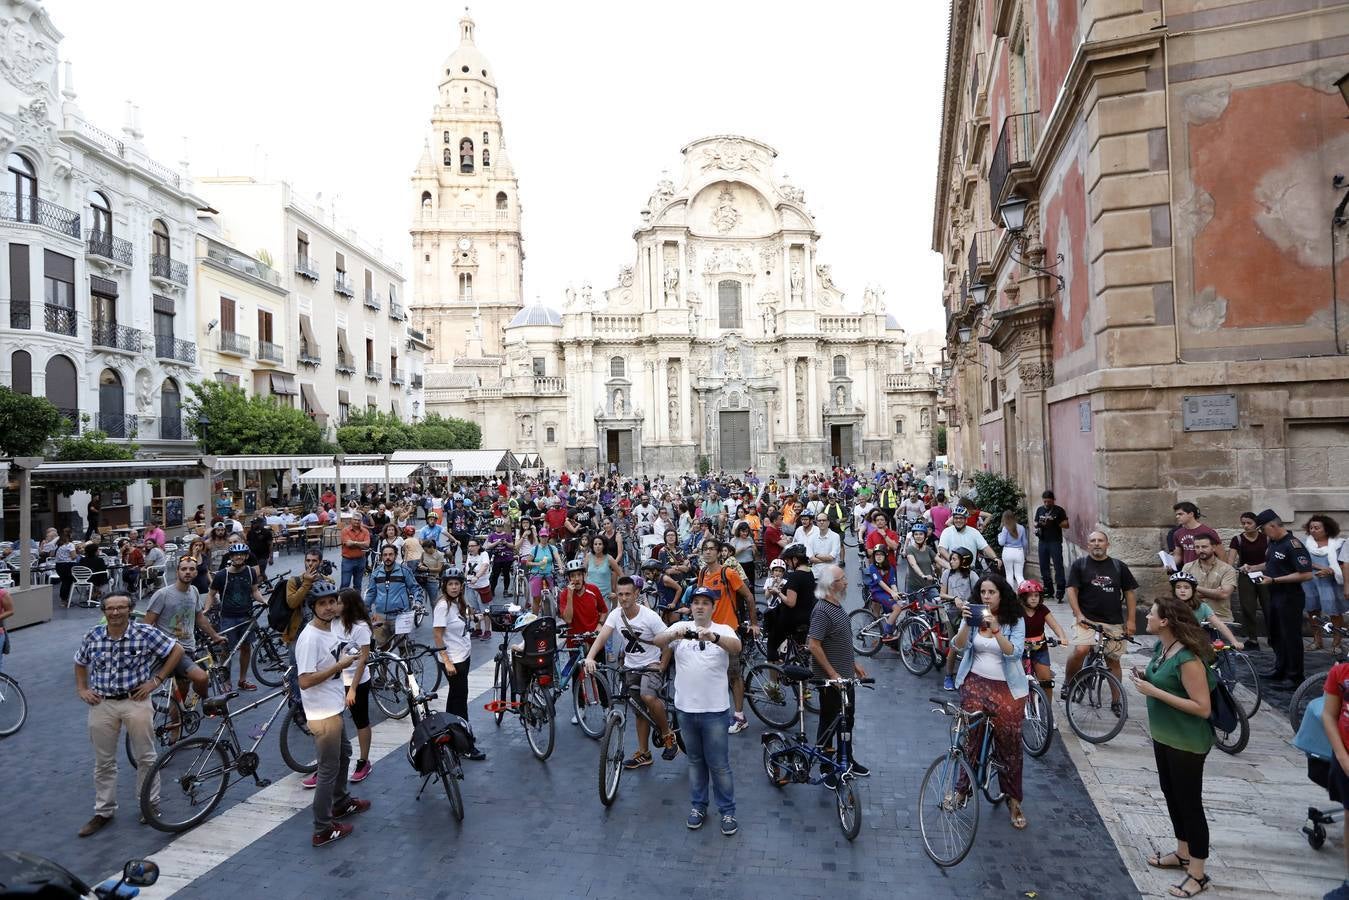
(119,666)
(1013,669)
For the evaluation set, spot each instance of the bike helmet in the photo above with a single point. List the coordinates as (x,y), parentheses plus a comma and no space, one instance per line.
(319,590)
(796,550)
(965,553)
(653,564)
(452,573)
(431,517)
(918,528)
(960,511)
(498,522)
(705,593)
(237,548)
(408,531)
(575,565)
(777,564)
(1177,577)
(881,549)
(545,532)
(1030,586)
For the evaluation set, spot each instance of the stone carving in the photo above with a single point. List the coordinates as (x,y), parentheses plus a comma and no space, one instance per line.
(925,418)
(1207,311)
(797,281)
(25,59)
(33,126)
(734,365)
(728,259)
(840,397)
(768,309)
(789,192)
(732,155)
(825,273)
(671,284)
(1290,206)
(872,300)
(769,254)
(672,379)
(1206,104)
(726,216)
(625,276)
(1194,212)
(618,403)
(695,310)
(144,391)
(1035,376)
(587,301)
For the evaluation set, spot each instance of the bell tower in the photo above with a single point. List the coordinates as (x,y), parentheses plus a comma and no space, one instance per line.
(468,255)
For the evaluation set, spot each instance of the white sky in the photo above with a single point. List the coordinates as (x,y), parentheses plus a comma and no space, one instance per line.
(596,99)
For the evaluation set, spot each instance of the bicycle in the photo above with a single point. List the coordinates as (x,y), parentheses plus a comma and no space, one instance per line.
(789,759)
(13,706)
(1037,727)
(868,623)
(387,686)
(1094,699)
(946,817)
(772,698)
(1235,669)
(589,694)
(923,641)
(195,773)
(532,701)
(616,723)
(1313,685)
(177,714)
(446,744)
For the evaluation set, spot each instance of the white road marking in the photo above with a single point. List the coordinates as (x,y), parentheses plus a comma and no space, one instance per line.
(191,855)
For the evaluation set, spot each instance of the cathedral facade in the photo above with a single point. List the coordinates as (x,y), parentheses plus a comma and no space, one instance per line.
(722,338)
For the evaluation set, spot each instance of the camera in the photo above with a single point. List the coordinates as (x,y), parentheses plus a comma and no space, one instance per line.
(977,611)
(326,567)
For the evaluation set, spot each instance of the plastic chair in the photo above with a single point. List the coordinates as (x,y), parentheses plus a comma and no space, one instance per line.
(152,578)
(84,581)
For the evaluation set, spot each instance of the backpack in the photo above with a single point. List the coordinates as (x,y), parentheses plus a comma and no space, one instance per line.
(426,734)
(278,610)
(1223,714)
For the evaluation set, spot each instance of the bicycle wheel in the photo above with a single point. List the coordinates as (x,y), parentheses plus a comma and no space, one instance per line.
(429,668)
(866,632)
(915,646)
(849,806)
(771,698)
(611,759)
(447,770)
(849,538)
(1233,742)
(13,706)
(1306,692)
(948,819)
(536,714)
(499,679)
(1090,699)
(1238,673)
(192,778)
(1037,729)
(269,662)
(297,745)
(775,764)
(590,701)
(389,691)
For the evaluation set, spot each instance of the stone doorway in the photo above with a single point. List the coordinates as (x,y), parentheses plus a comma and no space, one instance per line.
(735,447)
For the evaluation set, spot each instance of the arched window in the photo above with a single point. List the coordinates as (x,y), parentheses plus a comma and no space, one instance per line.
(840,366)
(63,387)
(550,435)
(466,156)
(899,426)
(465,287)
(23,185)
(447,137)
(426,199)
(449,156)
(501,201)
(159,234)
(111,404)
(486,158)
(101,210)
(728,304)
(618,367)
(170,411)
(21,372)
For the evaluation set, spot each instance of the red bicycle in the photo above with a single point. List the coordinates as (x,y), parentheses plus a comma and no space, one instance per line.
(923,639)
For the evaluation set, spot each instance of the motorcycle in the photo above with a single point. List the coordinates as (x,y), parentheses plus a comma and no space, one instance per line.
(27,875)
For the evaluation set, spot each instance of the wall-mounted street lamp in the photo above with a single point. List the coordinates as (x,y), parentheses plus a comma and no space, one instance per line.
(1013,215)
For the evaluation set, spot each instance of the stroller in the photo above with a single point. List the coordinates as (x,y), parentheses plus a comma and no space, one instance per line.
(1311,740)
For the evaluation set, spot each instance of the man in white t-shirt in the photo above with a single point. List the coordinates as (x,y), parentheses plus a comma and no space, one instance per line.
(822,548)
(643,662)
(958,534)
(320,656)
(702,652)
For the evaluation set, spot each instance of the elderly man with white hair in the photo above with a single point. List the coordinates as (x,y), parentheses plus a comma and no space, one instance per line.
(831,651)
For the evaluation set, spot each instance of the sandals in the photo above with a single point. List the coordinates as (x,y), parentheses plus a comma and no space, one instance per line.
(1158,860)
(1019,819)
(1201,885)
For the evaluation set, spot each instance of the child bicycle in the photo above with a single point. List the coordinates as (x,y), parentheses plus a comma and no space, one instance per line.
(523,679)
(948,811)
(789,759)
(438,738)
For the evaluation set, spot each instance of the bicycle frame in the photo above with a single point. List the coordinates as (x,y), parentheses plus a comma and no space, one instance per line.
(986,765)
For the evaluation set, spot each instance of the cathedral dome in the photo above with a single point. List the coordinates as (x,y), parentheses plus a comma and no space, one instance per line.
(467,61)
(536,314)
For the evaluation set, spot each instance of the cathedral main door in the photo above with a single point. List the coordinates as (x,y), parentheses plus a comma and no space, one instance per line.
(618,449)
(734,455)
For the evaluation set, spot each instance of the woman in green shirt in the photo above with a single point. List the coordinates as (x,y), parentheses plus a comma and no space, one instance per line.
(1177,684)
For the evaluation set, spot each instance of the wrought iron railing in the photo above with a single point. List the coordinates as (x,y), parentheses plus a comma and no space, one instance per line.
(416,382)
(171,429)
(168,269)
(981,252)
(342,285)
(60,319)
(371,300)
(270,352)
(118,426)
(396,311)
(36,211)
(396,376)
(169,347)
(116,337)
(1015,147)
(345,365)
(72,418)
(374,372)
(309,356)
(306,267)
(108,246)
(233,342)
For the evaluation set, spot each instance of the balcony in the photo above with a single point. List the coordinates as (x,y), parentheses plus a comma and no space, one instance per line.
(342,285)
(32,210)
(60,319)
(239,262)
(270,352)
(374,372)
(72,419)
(118,426)
(309,356)
(106,246)
(306,267)
(616,324)
(536,385)
(841,324)
(163,268)
(910,381)
(169,348)
(396,311)
(372,300)
(20,314)
(171,429)
(1014,150)
(396,377)
(344,365)
(112,336)
(235,344)
(416,382)
(981,255)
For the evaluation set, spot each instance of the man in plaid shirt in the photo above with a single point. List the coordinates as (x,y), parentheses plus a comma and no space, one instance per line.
(118,666)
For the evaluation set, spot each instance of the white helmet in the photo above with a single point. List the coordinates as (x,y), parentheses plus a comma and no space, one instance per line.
(576,565)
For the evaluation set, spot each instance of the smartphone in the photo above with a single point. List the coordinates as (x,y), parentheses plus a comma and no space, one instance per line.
(977,611)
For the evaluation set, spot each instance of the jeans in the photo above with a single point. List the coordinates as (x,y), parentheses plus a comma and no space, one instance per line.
(1014,564)
(1052,551)
(353,572)
(708,747)
(334,756)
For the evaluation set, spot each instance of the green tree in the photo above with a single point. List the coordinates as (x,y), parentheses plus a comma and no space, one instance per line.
(240,424)
(373,431)
(92,445)
(996,494)
(941,440)
(29,423)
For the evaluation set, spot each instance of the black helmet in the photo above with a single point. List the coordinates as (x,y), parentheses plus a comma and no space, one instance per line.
(318,590)
(452,573)
(795,550)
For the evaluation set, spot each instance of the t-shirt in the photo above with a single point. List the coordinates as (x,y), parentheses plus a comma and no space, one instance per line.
(958,584)
(1049,521)
(1184,541)
(725,581)
(637,636)
(235,590)
(968,537)
(829,626)
(358,637)
(877,538)
(586,608)
(477,570)
(926,557)
(1035,620)
(1250,553)
(457,640)
(316,650)
(1100,588)
(700,672)
(1218,576)
(940,515)
(772,543)
(803,582)
(177,611)
(1337,685)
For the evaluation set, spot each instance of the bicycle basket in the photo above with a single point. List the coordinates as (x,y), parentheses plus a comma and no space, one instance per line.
(540,644)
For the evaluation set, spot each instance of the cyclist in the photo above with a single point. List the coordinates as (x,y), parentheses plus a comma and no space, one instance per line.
(881,580)
(542,563)
(831,651)
(731,593)
(235,588)
(432,530)
(775,586)
(454,646)
(644,666)
(500,547)
(176,610)
(1098,585)
(581,605)
(961,535)
(353,626)
(957,585)
(391,592)
(1184,587)
(1038,618)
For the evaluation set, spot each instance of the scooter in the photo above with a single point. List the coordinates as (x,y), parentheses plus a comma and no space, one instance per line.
(28,875)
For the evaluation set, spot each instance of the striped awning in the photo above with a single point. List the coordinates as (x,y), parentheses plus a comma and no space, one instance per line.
(255,463)
(397,474)
(89,471)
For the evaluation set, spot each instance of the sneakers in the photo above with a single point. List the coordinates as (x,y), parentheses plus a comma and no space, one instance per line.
(352,807)
(671,748)
(338,831)
(859,770)
(475,755)
(96,824)
(1117,710)
(637,761)
(145,821)
(363,770)
(247,685)
(738,724)
(831,781)
(694,821)
(309,782)
(948,683)
(729,825)
(887,629)
(574,720)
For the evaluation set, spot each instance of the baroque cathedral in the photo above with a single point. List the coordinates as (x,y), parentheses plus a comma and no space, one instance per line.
(723,336)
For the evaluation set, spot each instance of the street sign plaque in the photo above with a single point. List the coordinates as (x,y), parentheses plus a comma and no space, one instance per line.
(1209,412)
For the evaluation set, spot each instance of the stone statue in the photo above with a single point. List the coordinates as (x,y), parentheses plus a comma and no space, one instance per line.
(587,300)
(618,403)
(826,277)
(569,298)
(671,284)
(426,202)
(839,396)
(625,276)
(144,391)
(797,281)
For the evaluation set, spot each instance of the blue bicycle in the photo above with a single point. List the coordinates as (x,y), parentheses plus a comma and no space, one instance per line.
(948,811)
(789,758)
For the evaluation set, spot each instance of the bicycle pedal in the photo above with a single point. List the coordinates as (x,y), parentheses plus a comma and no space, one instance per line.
(262,782)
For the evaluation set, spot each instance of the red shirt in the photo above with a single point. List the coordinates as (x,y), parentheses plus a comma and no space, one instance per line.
(772,546)
(1337,680)
(877,539)
(556,517)
(502,490)
(587,608)
(566,479)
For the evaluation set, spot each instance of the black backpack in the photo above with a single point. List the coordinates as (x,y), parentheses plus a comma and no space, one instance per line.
(431,729)
(278,610)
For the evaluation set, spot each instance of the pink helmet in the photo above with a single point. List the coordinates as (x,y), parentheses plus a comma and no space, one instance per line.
(1030,586)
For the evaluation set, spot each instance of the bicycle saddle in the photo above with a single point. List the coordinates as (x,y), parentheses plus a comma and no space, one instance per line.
(797,673)
(214,706)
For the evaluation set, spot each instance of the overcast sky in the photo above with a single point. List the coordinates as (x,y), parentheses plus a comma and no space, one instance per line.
(596,99)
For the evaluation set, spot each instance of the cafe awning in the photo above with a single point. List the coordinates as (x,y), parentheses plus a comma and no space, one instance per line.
(397,473)
(256,463)
(92,471)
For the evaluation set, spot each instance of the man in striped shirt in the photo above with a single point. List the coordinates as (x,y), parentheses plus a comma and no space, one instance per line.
(831,651)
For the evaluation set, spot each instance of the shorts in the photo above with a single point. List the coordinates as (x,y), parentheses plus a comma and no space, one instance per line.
(185,664)
(1040,655)
(649,681)
(232,629)
(1085,636)
(360,710)
(479,599)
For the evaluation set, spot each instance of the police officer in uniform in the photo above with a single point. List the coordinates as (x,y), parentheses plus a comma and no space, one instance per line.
(1287,565)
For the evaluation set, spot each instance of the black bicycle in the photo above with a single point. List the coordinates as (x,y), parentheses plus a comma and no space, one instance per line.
(616,724)
(438,738)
